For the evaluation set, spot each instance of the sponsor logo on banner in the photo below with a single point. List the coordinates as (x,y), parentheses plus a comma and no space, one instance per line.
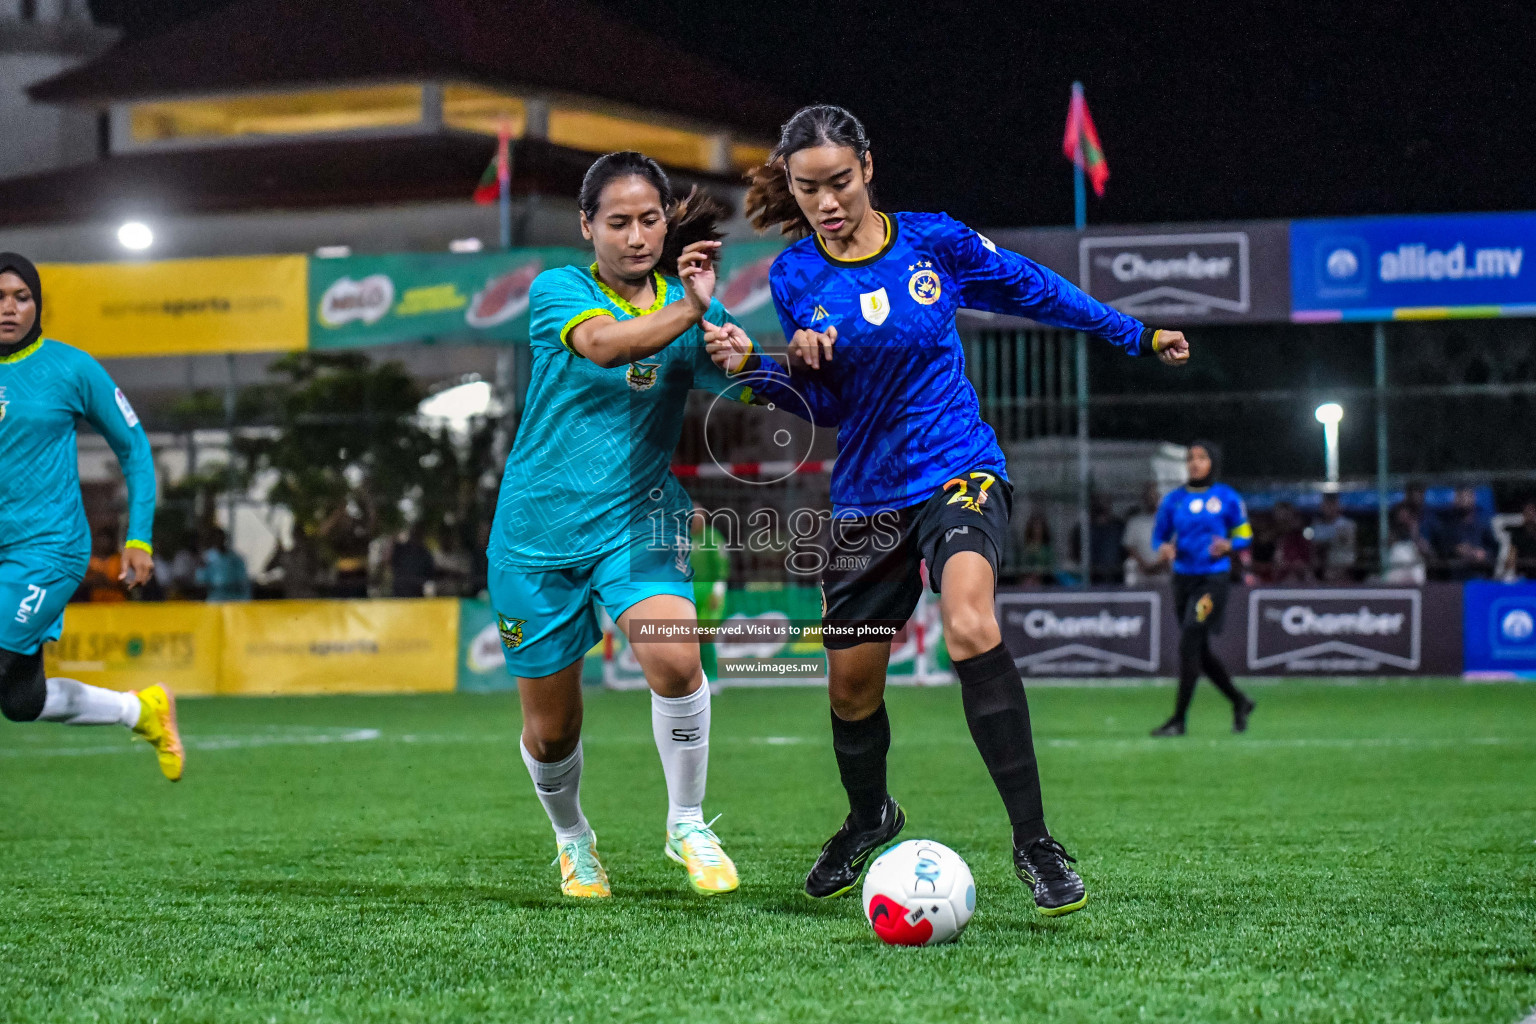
(1512,622)
(367,300)
(1334,630)
(504,297)
(1082,634)
(1364,268)
(1168,275)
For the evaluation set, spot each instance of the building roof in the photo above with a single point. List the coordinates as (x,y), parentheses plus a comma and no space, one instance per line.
(289,175)
(559,46)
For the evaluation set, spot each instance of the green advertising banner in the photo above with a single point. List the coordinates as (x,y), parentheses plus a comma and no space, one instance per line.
(420,297)
(480,298)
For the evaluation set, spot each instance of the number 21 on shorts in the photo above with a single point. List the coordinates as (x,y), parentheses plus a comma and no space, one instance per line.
(31,604)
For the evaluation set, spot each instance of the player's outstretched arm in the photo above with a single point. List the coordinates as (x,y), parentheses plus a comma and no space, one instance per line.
(997,280)
(106,408)
(610,342)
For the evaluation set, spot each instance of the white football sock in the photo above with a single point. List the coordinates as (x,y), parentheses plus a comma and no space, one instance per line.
(681,728)
(74,703)
(558,784)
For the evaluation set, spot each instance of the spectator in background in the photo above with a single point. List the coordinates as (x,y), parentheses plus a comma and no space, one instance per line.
(1106,539)
(411,565)
(1293,552)
(1521,559)
(1333,542)
(1036,557)
(1463,540)
(1261,553)
(349,537)
(223,573)
(1405,559)
(1415,515)
(1142,561)
(101,584)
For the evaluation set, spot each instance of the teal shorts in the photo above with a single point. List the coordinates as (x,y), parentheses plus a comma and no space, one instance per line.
(548,618)
(32,599)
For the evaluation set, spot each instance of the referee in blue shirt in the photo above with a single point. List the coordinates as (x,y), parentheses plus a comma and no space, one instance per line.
(1198,527)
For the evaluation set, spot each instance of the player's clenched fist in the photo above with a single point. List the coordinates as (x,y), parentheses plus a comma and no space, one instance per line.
(1171,347)
(728,345)
(809,348)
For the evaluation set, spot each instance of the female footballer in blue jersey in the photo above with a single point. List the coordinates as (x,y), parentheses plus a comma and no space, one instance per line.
(868,300)
(44,539)
(1198,526)
(590,512)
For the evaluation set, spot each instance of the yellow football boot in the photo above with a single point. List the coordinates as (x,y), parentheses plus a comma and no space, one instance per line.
(581,873)
(695,846)
(157,727)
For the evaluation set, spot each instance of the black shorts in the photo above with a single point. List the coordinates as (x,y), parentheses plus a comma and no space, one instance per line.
(873,576)
(1201,600)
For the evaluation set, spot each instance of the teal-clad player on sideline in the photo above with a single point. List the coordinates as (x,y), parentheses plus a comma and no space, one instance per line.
(590,512)
(1198,526)
(45,541)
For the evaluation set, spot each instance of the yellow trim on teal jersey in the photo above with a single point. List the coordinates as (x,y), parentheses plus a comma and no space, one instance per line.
(1243,531)
(628,307)
(576,321)
(17,357)
(142,545)
(884,244)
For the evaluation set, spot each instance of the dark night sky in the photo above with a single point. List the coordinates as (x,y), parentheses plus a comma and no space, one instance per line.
(1206,111)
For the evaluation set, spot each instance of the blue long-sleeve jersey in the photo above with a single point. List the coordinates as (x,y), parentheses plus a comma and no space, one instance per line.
(907,416)
(1193,517)
(43,389)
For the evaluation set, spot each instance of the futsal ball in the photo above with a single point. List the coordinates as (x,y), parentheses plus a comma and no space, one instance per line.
(919,893)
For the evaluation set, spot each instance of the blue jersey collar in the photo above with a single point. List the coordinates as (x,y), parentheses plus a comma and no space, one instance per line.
(891,229)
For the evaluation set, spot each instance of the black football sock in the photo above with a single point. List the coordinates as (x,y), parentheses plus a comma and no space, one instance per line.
(1191,642)
(998,714)
(861,748)
(1220,676)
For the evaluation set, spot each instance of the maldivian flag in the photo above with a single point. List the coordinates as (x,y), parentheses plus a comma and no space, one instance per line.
(1081,144)
(498,172)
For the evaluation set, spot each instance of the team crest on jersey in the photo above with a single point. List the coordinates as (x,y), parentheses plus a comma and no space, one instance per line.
(1213,504)
(875,306)
(642,376)
(924,285)
(511,631)
(3,403)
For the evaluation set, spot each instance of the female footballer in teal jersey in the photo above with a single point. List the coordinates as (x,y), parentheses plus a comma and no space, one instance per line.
(919,476)
(590,512)
(44,540)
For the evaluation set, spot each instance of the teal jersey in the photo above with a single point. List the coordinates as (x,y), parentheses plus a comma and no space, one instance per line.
(591,467)
(43,390)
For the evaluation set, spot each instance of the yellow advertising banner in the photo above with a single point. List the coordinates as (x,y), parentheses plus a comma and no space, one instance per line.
(130,646)
(291,647)
(179,307)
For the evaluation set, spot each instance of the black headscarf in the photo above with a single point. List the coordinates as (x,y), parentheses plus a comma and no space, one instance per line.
(23,268)
(1215,454)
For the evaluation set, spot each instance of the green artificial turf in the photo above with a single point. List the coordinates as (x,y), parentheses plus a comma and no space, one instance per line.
(1365,853)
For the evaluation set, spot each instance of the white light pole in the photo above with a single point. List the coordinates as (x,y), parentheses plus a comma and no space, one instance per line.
(1329,414)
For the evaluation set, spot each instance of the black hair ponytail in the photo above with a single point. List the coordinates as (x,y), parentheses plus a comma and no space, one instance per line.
(770,203)
(694,218)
